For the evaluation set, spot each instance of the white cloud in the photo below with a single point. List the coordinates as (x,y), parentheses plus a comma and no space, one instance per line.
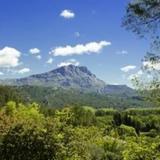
(50,61)
(143,73)
(39,57)
(69,62)
(24,70)
(128,68)
(34,51)
(67,14)
(151,65)
(9,57)
(140,72)
(1,73)
(123,52)
(92,47)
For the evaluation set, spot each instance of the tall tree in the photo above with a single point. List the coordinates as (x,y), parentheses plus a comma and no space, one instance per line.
(143,18)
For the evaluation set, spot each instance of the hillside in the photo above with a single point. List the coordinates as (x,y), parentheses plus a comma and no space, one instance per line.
(51,97)
(70,77)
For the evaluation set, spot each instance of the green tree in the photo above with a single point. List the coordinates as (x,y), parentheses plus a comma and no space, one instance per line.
(82,117)
(143,18)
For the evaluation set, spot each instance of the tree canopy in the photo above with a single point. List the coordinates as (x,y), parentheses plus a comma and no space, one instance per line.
(83,133)
(143,17)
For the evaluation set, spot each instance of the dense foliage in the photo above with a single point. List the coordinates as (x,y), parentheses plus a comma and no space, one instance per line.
(143,17)
(78,133)
(50,97)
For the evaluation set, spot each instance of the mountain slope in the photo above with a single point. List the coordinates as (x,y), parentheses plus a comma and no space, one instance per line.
(50,97)
(71,77)
(122,90)
(65,77)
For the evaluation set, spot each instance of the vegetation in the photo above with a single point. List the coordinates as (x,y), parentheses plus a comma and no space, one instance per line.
(71,125)
(78,133)
(53,98)
(143,18)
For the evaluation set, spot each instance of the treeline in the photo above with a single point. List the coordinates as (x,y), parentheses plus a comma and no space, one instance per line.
(51,97)
(77,133)
(8,93)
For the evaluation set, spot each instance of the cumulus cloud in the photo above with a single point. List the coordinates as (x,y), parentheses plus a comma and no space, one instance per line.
(34,51)
(152,65)
(24,70)
(9,57)
(50,61)
(69,62)
(128,68)
(68,14)
(92,47)
(138,74)
(147,71)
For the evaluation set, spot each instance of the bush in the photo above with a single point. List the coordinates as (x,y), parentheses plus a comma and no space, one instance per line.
(124,131)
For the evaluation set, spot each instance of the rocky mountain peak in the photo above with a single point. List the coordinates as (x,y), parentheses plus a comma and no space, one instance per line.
(69,77)
(72,69)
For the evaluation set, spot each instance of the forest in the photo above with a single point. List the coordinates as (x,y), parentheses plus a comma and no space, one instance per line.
(78,133)
(53,98)
(39,123)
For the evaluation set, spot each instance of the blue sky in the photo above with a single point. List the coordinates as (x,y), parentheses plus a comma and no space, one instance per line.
(33,32)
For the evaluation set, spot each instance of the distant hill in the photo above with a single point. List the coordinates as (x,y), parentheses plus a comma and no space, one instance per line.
(70,77)
(118,90)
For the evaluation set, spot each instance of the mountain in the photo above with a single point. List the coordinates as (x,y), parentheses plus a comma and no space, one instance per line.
(118,90)
(64,77)
(70,77)
(68,85)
